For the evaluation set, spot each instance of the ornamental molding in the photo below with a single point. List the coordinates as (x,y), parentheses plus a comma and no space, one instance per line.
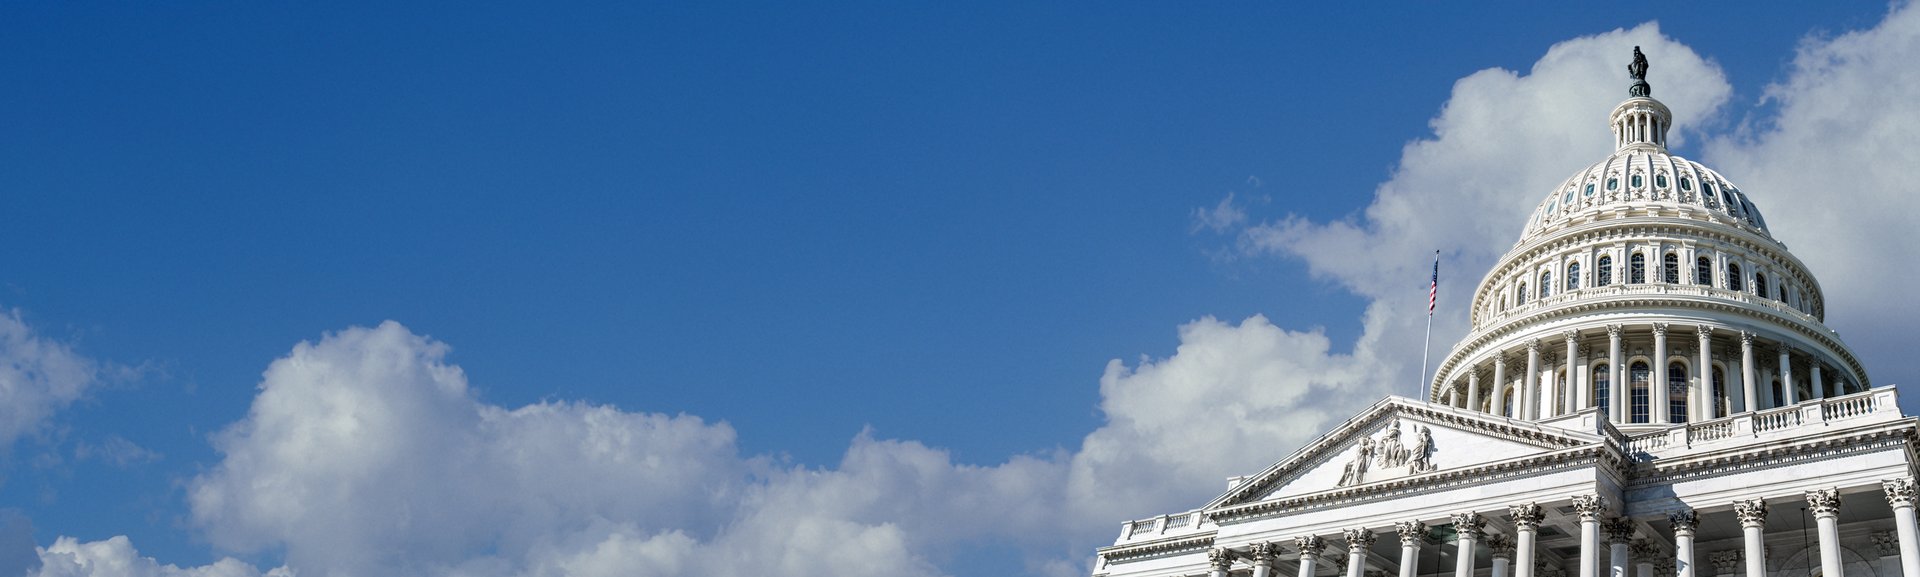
(1727,562)
(1886,543)
(1544,464)
(1161,548)
(1421,415)
(1745,458)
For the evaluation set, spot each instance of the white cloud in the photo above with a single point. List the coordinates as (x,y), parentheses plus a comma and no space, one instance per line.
(38,377)
(116,557)
(1831,166)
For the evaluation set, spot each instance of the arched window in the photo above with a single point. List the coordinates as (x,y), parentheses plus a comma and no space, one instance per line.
(1573,276)
(1703,271)
(1522,298)
(1605,273)
(1638,377)
(1760,286)
(1602,377)
(1670,268)
(1779,395)
(1637,268)
(1546,284)
(1506,405)
(1676,393)
(1734,281)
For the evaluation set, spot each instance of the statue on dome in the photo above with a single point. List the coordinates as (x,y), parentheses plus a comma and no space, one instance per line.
(1638,71)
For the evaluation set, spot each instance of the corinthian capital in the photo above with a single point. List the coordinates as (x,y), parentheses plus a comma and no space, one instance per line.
(1705,331)
(1684,522)
(1262,553)
(1501,545)
(1615,330)
(1358,540)
(1571,335)
(1751,512)
(1526,515)
(1310,544)
(1824,502)
(1220,559)
(1900,491)
(1412,533)
(1660,329)
(1469,524)
(1618,530)
(1746,339)
(1589,507)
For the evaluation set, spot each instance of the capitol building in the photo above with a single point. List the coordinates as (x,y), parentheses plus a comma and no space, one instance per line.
(1648,389)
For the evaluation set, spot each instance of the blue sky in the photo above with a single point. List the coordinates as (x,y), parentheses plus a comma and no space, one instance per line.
(935,224)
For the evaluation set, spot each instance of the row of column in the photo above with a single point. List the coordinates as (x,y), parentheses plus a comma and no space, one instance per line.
(1701,402)
(1592,511)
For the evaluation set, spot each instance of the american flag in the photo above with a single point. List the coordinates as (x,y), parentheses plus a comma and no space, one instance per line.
(1433,290)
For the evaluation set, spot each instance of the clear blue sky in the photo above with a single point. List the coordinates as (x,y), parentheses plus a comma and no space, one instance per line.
(937,220)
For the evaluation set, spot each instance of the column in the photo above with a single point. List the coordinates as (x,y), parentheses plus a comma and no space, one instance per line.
(1359,542)
(1619,534)
(1643,554)
(1747,385)
(1262,553)
(1412,534)
(1887,544)
(1659,399)
(1526,524)
(1786,375)
(1448,398)
(1501,548)
(1473,388)
(1500,385)
(1684,522)
(1589,507)
(1900,495)
(1825,504)
(1579,393)
(1708,407)
(1753,520)
(1310,548)
(1616,399)
(1468,526)
(1219,560)
(1819,384)
(1530,395)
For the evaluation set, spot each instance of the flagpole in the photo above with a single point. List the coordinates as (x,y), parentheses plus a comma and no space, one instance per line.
(1433,296)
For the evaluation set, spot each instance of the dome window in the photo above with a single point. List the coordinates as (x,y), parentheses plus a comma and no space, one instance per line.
(1589,189)
(1732,206)
(1601,376)
(1670,269)
(1604,274)
(1546,284)
(1638,377)
(1734,281)
(1660,181)
(1522,298)
(1686,184)
(1573,276)
(1703,271)
(1676,392)
(1613,184)
(1568,199)
(1637,268)
(1760,286)
(1635,182)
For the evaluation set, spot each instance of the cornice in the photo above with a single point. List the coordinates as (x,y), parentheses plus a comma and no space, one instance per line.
(1172,545)
(1761,456)
(1594,454)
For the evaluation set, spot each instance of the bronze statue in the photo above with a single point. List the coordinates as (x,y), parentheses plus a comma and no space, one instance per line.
(1638,70)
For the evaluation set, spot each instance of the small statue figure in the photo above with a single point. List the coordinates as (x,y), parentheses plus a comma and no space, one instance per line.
(1422,451)
(1390,453)
(1357,467)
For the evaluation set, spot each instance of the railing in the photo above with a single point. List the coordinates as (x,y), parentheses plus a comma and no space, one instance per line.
(1880,401)
(1164,524)
(1647,288)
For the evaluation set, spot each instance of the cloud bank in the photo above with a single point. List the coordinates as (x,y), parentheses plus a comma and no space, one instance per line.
(366,453)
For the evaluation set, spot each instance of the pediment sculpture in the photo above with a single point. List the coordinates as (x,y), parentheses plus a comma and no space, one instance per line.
(1390,455)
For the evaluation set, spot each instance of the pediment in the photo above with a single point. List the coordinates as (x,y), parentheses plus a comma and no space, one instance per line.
(1398,439)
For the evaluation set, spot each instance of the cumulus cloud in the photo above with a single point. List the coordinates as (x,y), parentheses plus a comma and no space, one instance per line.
(116,557)
(38,377)
(1830,164)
